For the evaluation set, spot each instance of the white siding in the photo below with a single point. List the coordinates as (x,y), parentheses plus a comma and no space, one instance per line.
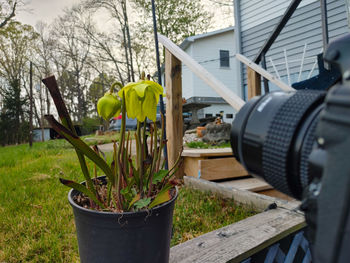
(206,51)
(216,108)
(187,77)
(255,12)
(304,27)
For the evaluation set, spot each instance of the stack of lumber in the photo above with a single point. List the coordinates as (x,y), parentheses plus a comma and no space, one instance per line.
(219,165)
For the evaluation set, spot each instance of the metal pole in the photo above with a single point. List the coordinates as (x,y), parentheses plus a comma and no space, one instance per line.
(277,30)
(324,19)
(162,110)
(31,104)
(324,23)
(263,64)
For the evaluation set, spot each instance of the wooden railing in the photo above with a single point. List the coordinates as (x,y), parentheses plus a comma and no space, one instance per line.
(174,57)
(242,240)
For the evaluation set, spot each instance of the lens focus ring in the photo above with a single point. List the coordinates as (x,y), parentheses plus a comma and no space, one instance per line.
(280,136)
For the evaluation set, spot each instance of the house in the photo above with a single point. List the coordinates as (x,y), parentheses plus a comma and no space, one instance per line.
(215,52)
(292,56)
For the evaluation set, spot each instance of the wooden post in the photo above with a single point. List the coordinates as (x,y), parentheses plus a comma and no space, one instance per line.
(174,121)
(231,98)
(254,83)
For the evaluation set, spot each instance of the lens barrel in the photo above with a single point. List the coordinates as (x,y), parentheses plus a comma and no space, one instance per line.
(273,135)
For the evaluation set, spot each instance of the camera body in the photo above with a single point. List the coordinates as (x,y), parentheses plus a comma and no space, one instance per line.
(299,142)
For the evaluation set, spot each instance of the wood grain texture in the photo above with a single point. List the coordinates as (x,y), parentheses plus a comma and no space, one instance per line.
(275,193)
(249,184)
(228,95)
(257,201)
(174,122)
(254,83)
(220,168)
(207,152)
(191,166)
(239,241)
(255,67)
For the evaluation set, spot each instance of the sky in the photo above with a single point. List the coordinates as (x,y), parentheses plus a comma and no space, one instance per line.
(44,10)
(48,10)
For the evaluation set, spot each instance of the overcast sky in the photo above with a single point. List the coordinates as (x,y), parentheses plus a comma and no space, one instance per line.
(44,10)
(48,10)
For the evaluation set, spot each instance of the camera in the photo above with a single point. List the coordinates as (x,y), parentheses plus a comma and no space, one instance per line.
(299,142)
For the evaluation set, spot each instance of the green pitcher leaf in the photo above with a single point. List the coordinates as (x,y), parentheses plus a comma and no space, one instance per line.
(51,84)
(142,203)
(82,189)
(162,197)
(134,200)
(158,177)
(80,146)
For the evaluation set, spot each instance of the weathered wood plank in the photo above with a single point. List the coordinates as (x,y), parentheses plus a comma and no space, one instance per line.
(191,166)
(275,193)
(263,73)
(249,184)
(174,122)
(254,83)
(239,241)
(221,168)
(207,152)
(228,95)
(258,201)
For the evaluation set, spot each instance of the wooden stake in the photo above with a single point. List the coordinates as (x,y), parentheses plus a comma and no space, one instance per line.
(174,122)
(254,83)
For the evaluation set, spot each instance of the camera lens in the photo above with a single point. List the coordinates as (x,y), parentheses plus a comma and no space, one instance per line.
(273,135)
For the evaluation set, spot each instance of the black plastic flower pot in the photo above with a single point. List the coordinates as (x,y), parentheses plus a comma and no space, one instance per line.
(130,237)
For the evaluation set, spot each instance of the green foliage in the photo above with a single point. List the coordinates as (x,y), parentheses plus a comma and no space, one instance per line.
(125,178)
(159,176)
(142,203)
(177,19)
(90,125)
(16,44)
(197,213)
(204,145)
(37,224)
(14,127)
(98,88)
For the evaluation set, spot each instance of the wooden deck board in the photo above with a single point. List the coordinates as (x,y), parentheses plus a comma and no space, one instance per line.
(239,241)
(249,184)
(219,168)
(207,152)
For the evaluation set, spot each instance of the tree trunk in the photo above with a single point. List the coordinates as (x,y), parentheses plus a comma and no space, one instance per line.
(129,40)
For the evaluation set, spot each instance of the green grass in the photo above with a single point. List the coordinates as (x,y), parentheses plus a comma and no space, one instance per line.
(204,145)
(197,213)
(102,139)
(36,221)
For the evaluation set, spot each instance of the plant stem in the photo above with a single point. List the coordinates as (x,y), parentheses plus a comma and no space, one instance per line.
(154,161)
(117,83)
(140,157)
(121,149)
(161,142)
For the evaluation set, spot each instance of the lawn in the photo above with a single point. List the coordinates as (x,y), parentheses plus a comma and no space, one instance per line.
(204,145)
(36,221)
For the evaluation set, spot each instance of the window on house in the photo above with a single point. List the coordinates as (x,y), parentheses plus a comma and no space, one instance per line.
(207,115)
(224,58)
(229,116)
(218,115)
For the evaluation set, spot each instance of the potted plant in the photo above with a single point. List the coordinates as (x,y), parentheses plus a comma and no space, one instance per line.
(123,210)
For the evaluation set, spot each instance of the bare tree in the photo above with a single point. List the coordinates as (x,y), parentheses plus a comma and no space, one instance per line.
(16,48)
(76,53)
(7,11)
(118,11)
